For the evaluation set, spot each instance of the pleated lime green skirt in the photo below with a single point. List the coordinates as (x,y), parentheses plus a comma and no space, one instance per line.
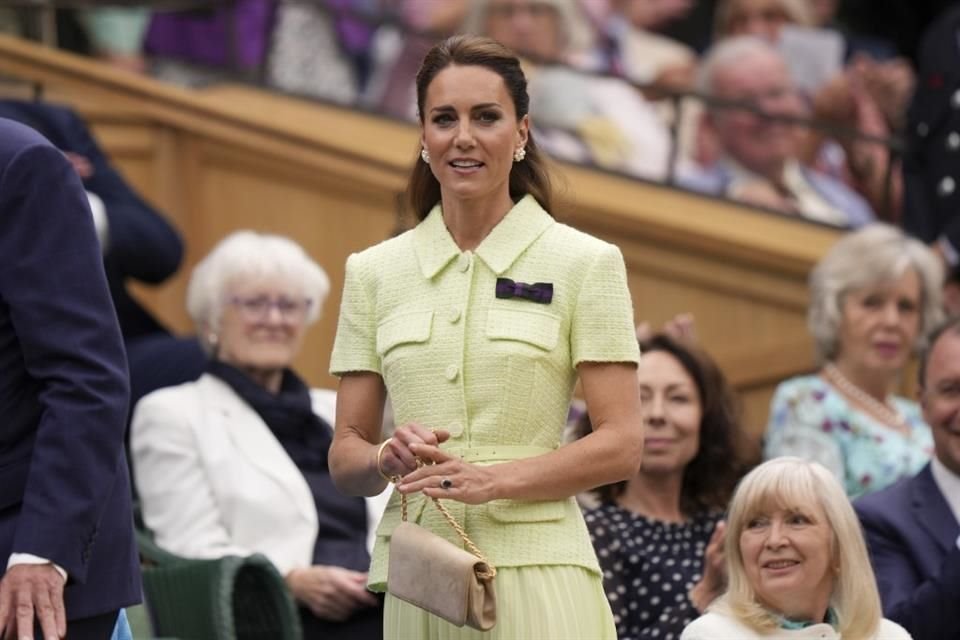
(533,603)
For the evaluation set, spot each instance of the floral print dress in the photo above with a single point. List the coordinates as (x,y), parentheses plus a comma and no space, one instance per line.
(810,419)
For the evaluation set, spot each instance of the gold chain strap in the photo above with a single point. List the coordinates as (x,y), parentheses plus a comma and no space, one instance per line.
(490,570)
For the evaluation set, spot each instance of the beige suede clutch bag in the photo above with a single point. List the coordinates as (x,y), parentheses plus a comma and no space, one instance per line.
(439,577)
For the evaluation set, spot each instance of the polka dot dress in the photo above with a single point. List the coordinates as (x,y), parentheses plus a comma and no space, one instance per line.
(649,567)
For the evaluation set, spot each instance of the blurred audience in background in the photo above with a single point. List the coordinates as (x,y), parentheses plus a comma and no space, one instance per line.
(323,50)
(762,18)
(578,117)
(627,44)
(932,162)
(874,298)
(853,80)
(117,34)
(399,47)
(757,157)
(868,95)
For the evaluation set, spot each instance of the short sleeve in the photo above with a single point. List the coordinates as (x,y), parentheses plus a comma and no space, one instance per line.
(355,345)
(602,329)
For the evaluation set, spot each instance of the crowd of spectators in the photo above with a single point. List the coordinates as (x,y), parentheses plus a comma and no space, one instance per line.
(611,81)
(744,119)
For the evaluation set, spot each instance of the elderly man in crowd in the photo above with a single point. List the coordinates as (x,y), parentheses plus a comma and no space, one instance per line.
(913,527)
(757,148)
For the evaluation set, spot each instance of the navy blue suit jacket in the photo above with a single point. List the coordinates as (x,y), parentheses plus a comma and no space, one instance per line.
(912,537)
(143,245)
(64,488)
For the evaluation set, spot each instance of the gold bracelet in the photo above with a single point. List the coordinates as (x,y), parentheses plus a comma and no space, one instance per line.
(383,445)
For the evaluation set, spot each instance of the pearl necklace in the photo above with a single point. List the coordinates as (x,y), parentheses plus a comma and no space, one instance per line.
(884,411)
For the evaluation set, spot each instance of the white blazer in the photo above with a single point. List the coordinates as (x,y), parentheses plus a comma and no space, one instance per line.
(715,625)
(213,480)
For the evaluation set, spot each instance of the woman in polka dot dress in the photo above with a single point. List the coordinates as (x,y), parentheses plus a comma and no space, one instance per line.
(659,536)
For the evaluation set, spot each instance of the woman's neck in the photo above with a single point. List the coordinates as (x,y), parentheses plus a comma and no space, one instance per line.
(875,383)
(470,221)
(654,496)
(805,609)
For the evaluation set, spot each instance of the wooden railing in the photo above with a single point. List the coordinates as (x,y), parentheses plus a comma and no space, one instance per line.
(231,157)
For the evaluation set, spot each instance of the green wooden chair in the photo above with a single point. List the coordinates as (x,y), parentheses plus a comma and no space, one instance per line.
(228,598)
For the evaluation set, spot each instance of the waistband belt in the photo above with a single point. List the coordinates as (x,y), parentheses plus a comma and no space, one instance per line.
(496,453)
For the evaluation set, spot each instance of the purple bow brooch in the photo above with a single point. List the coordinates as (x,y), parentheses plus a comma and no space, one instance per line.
(541,292)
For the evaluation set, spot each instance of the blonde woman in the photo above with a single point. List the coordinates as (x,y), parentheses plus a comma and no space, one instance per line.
(796,561)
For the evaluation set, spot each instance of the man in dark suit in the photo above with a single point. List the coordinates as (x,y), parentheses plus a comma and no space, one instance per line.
(913,527)
(66,530)
(138,244)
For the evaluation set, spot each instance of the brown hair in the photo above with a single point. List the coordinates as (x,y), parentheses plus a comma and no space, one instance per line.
(527,177)
(709,479)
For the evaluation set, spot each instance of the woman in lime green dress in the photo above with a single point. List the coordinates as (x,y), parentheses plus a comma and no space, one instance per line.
(477,323)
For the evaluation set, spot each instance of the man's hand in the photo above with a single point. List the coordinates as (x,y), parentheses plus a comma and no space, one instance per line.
(31,592)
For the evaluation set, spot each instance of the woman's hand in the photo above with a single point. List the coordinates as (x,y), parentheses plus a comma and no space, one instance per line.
(714,580)
(397,458)
(447,476)
(331,593)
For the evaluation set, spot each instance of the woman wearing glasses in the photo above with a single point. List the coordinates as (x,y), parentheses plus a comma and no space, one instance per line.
(235,463)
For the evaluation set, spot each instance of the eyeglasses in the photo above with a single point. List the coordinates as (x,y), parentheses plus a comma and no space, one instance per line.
(258,307)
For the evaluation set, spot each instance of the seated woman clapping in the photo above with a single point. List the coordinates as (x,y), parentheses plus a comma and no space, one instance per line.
(796,561)
(659,536)
(236,462)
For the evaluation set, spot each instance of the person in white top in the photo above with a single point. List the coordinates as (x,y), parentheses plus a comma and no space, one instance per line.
(797,563)
(912,528)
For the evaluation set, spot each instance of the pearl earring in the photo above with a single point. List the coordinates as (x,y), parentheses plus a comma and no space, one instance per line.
(425,155)
(212,339)
(519,154)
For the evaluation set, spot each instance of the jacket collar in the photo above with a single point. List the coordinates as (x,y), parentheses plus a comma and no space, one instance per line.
(932,510)
(522,225)
(254,440)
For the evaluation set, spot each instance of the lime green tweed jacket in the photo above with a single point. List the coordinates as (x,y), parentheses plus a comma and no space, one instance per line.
(497,373)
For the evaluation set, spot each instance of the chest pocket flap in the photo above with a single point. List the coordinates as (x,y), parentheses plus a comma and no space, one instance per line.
(533,327)
(404,328)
